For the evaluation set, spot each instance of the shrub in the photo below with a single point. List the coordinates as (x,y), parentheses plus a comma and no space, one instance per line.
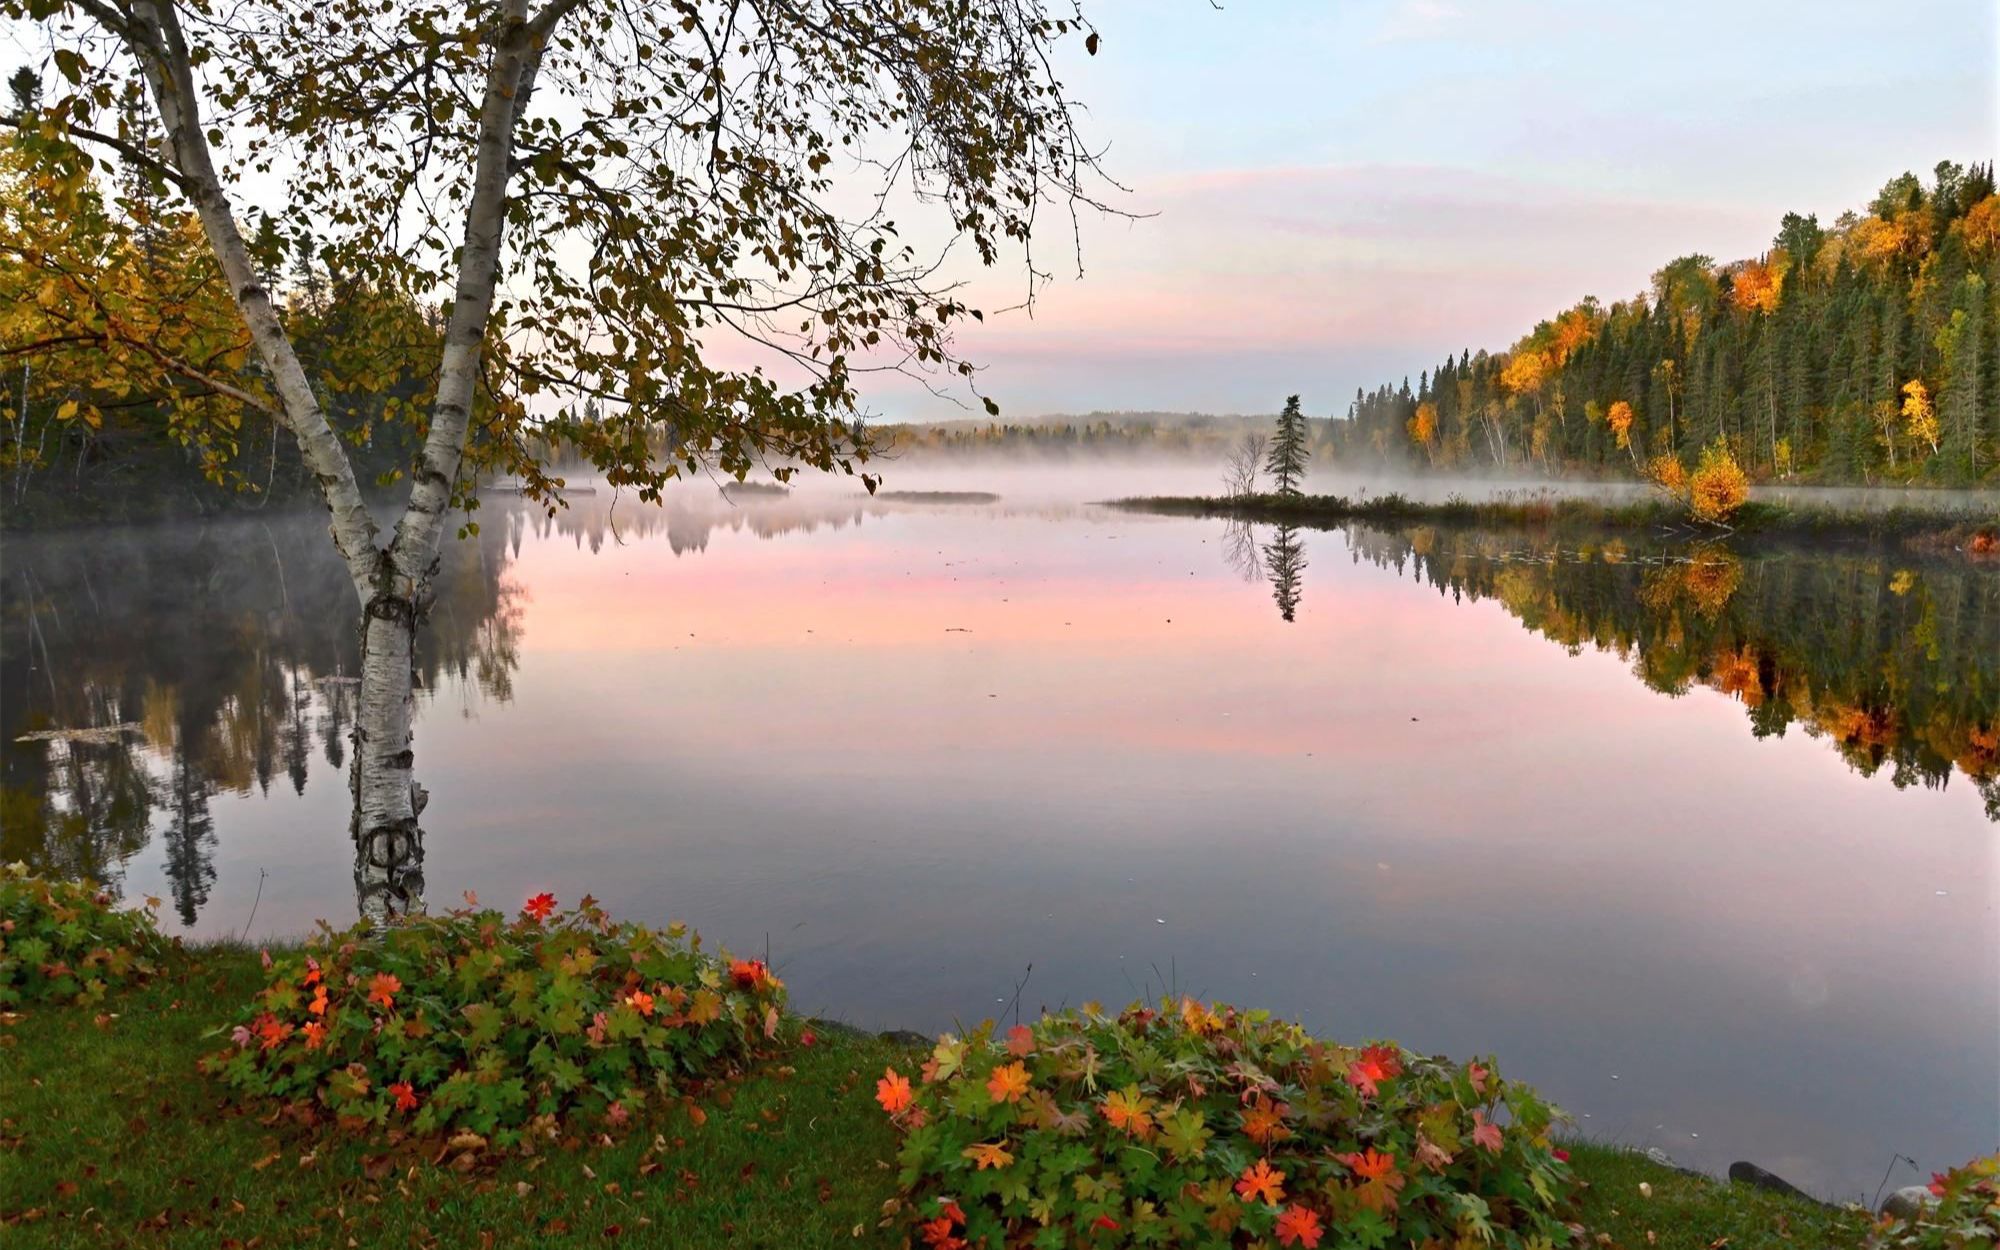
(1200,1125)
(1967,1214)
(64,941)
(1718,487)
(472,1022)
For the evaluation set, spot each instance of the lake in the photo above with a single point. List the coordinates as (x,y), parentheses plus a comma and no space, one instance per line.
(1700,840)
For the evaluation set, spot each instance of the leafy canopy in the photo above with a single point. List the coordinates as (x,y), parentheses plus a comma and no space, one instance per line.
(703,246)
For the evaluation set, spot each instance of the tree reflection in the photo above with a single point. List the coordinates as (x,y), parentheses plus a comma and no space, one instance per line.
(224,646)
(227,650)
(1284,564)
(1891,659)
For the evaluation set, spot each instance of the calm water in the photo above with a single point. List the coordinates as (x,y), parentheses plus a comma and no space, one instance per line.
(1703,842)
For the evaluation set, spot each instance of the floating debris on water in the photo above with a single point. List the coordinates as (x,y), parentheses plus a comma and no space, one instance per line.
(98,735)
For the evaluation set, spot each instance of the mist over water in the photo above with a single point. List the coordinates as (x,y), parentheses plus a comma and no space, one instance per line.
(1703,843)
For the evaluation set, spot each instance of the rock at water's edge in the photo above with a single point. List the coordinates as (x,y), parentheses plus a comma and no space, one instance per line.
(1750,1174)
(1909,1202)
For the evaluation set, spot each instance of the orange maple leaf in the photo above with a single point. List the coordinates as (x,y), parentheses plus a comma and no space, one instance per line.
(383,989)
(987,1155)
(1260,1178)
(540,906)
(893,1092)
(1379,1179)
(1130,1110)
(1264,1122)
(1008,1082)
(1299,1225)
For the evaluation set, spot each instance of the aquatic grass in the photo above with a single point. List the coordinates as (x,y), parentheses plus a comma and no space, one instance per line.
(110,1138)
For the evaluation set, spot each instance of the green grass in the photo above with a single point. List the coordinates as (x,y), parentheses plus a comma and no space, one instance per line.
(109,1137)
(1547,510)
(1687,1212)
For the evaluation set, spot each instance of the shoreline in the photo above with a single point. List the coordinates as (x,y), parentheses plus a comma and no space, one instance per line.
(1976,533)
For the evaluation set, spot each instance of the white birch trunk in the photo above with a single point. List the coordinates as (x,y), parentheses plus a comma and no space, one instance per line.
(388,842)
(393,582)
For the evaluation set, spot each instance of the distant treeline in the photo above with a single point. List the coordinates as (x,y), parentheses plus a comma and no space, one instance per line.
(1862,351)
(1164,433)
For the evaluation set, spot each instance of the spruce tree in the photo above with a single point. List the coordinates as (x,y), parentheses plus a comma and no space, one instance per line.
(1287,460)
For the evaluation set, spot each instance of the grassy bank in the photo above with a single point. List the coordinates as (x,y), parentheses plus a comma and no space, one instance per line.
(109,1137)
(1927,527)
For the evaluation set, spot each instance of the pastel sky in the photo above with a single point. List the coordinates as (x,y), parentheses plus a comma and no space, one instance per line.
(1343,191)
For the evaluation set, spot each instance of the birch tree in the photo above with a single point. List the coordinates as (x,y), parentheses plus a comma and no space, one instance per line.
(609,201)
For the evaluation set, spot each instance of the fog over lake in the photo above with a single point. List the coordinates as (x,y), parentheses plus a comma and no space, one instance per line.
(1700,841)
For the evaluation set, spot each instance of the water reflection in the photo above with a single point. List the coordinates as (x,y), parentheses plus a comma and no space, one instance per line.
(1891,659)
(1285,564)
(146,671)
(151,670)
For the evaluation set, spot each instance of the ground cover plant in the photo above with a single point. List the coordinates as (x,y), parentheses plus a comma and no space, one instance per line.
(1966,1217)
(68,941)
(1192,1124)
(108,1138)
(495,1026)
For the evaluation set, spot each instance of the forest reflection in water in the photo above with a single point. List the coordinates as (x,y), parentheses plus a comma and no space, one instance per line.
(1891,658)
(144,671)
(147,671)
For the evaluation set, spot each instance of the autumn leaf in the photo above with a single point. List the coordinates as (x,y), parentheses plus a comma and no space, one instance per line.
(1008,1082)
(540,906)
(1129,1110)
(1485,1134)
(893,1092)
(987,1155)
(1379,1178)
(1260,1179)
(1264,1122)
(1299,1226)
(383,988)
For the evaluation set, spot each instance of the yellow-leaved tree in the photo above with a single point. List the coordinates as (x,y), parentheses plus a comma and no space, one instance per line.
(1920,414)
(1719,486)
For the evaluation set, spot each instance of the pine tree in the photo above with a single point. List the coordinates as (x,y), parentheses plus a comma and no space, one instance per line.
(1287,460)
(1961,343)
